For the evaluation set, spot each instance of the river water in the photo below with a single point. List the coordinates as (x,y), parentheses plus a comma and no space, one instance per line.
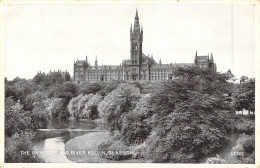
(50,142)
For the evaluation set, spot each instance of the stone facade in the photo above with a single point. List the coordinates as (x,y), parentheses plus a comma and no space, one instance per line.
(138,67)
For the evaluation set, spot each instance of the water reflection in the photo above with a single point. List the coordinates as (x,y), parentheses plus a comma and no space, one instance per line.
(50,143)
(51,150)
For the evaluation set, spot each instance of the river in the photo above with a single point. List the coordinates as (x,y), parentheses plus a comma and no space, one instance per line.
(50,142)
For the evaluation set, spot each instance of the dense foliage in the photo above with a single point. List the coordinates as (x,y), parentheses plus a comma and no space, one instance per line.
(27,108)
(245,98)
(183,120)
(135,128)
(18,135)
(117,104)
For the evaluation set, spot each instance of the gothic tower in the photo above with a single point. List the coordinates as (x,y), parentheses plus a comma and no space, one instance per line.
(136,38)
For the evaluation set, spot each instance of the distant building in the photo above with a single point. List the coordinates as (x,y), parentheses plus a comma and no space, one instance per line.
(138,67)
(232,78)
(64,74)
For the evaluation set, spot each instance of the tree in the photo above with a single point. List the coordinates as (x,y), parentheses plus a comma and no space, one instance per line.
(56,78)
(89,88)
(66,91)
(16,119)
(245,98)
(117,103)
(18,142)
(53,107)
(33,98)
(40,78)
(90,109)
(190,118)
(39,115)
(19,89)
(189,131)
(67,77)
(135,127)
(73,106)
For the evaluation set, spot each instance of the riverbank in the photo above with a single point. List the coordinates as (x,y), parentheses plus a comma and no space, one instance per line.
(89,142)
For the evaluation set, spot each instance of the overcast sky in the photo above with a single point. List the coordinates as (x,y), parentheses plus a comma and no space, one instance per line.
(51,37)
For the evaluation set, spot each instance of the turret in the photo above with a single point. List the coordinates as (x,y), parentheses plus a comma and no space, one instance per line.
(131,31)
(96,63)
(196,56)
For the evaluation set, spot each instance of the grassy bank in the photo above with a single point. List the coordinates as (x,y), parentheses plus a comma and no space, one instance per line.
(89,142)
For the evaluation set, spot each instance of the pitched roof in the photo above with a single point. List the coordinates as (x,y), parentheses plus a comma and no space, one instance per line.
(203,57)
(158,66)
(80,62)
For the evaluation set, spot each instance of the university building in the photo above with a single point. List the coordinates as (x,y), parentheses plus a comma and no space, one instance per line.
(138,67)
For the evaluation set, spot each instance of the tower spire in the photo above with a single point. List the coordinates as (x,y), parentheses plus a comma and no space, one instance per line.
(136,24)
(211,57)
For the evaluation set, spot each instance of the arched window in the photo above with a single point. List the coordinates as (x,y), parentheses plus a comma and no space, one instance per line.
(135,61)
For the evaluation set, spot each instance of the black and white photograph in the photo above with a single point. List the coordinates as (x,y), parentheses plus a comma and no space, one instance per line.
(129,82)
